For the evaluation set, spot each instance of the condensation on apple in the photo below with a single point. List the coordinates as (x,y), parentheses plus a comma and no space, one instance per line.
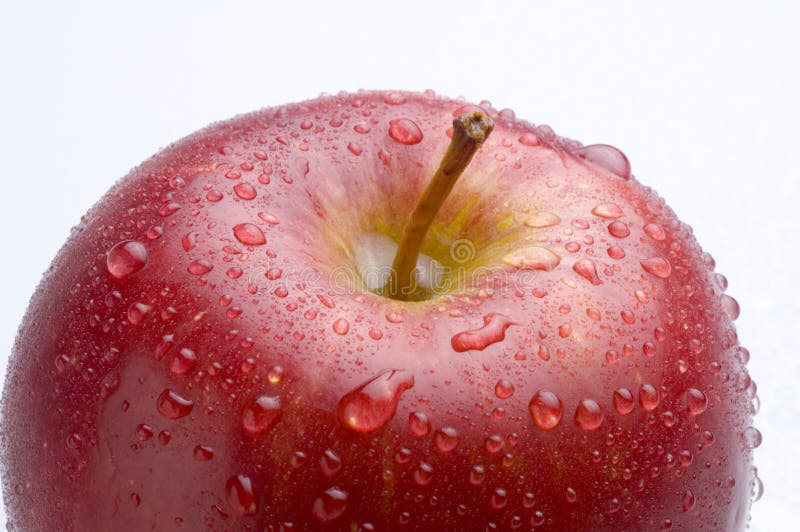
(211,350)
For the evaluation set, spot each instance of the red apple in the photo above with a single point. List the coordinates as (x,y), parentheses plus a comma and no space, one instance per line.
(211,349)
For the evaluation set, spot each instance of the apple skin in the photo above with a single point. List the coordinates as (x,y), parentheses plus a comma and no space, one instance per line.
(177,370)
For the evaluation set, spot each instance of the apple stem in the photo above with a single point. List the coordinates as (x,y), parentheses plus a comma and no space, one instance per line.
(470,130)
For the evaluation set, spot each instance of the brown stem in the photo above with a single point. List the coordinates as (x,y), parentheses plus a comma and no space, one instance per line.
(470,130)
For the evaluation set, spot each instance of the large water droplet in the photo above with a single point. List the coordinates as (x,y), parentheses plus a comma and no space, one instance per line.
(200,267)
(261,415)
(623,401)
(655,231)
(758,489)
(541,220)
(503,389)
(245,191)
(648,397)
(493,331)
(173,406)
(371,405)
(126,258)
(588,414)
(657,266)
(423,474)
(696,401)
(183,362)
(330,463)
(587,269)
(419,424)
(341,326)
(476,475)
(137,313)
(249,234)
(405,131)
(752,437)
(240,494)
(532,258)
(499,498)
(618,229)
(330,506)
(545,409)
(203,453)
(606,157)
(730,306)
(446,439)
(688,501)
(608,210)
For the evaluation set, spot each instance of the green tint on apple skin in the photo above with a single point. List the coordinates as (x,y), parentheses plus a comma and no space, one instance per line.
(212,349)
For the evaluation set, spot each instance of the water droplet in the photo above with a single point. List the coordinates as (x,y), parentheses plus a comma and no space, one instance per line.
(618,229)
(341,326)
(354,148)
(169,209)
(261,415)
(137,313)
(173,406)
(606,157)
(203,453)
(246,191)
(394,98)
(144,432)
(608,210)
(126,258)
(537,519)
(499,498)
(623,401)
(657,266)
(423,474)
(588,414)
(655,231)
(648,397)
(730,306)
(571,495)
(373,404)
(240,494)
(493,331)
(418,424)
(586,269)
(688,501)
(200,267)
(503,389)
(493,444)
(616,252)
(752,437)
(330,463)
(330,506)
(529,139)
(136,499)
(183,362)
(758,489)
(532,258)
(405,131)
(545,409)
(446,439)
(696,401)
(541,220)
(476,475)
(249,234)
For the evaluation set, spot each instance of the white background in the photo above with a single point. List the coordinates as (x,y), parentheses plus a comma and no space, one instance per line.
(702,96)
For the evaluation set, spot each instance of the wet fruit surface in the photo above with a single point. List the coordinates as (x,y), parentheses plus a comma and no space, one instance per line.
(205,353)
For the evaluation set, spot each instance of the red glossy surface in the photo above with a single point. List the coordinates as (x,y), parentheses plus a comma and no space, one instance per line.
(212,298)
